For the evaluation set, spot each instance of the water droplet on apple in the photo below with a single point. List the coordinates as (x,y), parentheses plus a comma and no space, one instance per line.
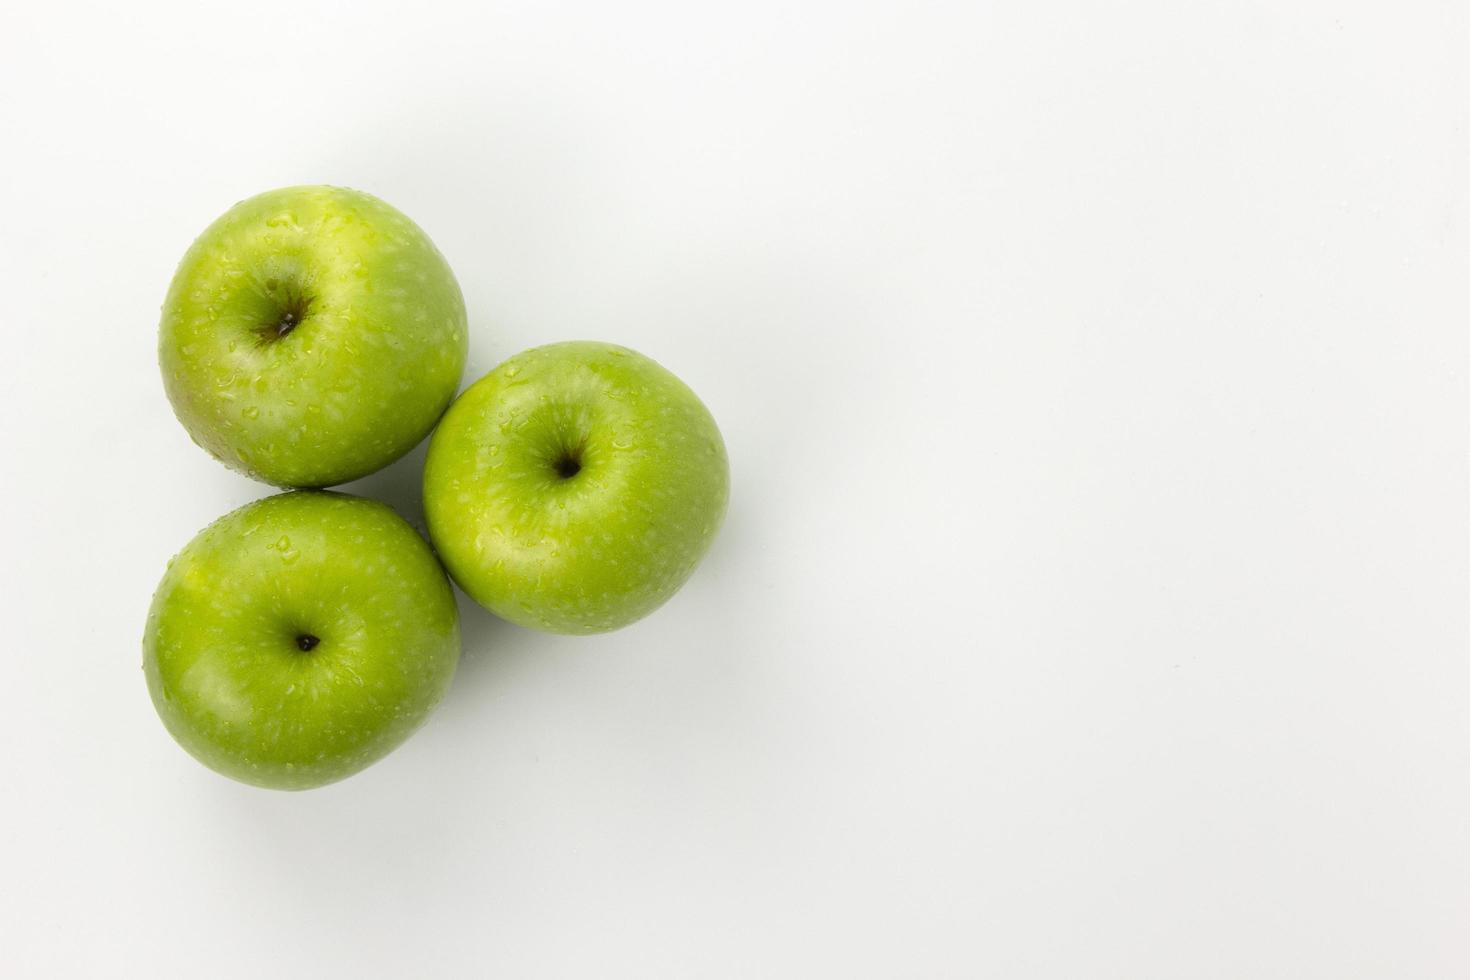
(250,412)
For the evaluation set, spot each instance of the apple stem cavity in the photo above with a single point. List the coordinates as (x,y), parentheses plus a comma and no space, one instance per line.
(568,467)
(293,310)
(569,463)
(306,642)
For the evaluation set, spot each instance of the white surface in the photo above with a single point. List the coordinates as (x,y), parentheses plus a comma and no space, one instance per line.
(1093,599)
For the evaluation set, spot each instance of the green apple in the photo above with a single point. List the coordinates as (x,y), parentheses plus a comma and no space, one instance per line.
(311,336)
(575,487)
(299,639)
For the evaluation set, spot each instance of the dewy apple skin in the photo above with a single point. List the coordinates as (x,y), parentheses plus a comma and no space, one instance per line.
(311,336)
(575,487)
(300,638)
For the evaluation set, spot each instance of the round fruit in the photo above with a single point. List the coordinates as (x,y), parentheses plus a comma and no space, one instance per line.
(575,487)
(299,639)
(311,336)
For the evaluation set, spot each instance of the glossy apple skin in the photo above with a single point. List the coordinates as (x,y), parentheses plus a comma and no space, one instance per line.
(223,649)
(584,551)
(311,336)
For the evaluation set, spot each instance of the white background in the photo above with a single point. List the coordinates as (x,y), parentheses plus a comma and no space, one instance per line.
(1093,597)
